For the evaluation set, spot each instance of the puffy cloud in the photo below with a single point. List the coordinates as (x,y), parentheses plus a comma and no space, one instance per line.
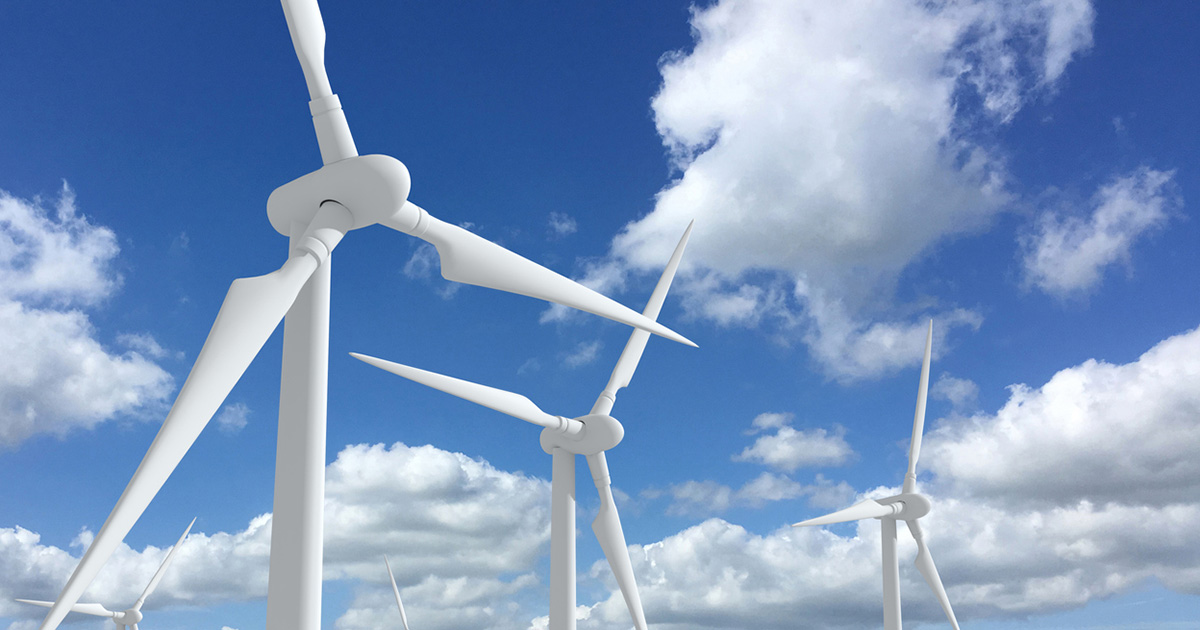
(824,147)
(56,376)
(1067,255)
(462,536)
(1096,431)
(788,449)
(233,418)
(994,563)
(962,393)
(1078,490)
(57,257)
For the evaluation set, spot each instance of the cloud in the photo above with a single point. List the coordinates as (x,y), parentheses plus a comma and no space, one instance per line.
(146,345)
(233,418)
(823,148)
(1094,432)
(962,393)
(583,354)
(1081,489)
(1078,490)
(562,224)
(56,376)
(788,449)
(706,498)
(709,497)
(462,537)
(422,265)
(1067,255)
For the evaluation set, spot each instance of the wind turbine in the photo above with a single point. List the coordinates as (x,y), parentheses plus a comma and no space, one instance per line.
(590,435)
(396,590)
(132,615)
(315,211)
(908,506)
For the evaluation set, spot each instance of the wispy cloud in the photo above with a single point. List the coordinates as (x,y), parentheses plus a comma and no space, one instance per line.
(1066,255)
(562,224)
(583,353)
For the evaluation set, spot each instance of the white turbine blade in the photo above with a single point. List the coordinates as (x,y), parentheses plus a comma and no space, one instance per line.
(856,512)
(930,573)
(632,354)
(308,36)
(503,401)
(162,569)
(87,609)
(611,536)
(252,309)
(396,590)
(472,259)
(914,447)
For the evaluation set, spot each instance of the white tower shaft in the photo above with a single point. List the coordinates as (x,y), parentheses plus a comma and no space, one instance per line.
(297,524)
(562,541)
(891,576)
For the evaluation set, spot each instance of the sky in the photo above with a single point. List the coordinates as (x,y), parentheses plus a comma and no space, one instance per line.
(1023,173)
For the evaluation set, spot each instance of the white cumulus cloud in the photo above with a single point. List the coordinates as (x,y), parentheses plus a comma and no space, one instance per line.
(824,147)
(55,374)
(788,449)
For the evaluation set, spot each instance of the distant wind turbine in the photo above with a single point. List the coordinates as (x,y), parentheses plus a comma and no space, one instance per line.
(129,617)
(908,506)
(564,438)
(396,590)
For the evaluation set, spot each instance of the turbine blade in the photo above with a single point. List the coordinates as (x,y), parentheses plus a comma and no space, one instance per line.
(472,259)
(503,401)
(308,36)
(87,609)
(914,447)
(252,309)
(396,590)
(930,573)
(632,354)
(162,569)
(607,527)
(856,512)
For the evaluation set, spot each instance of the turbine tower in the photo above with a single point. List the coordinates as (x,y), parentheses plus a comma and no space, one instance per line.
(129,617)
(315,211)
(564,438)
(908,506)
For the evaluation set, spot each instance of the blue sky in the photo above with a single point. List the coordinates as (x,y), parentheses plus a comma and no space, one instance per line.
(1021,173)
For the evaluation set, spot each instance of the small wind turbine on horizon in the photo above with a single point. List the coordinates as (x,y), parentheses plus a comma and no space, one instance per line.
(908,506)
(564,438)
(129,617)
(315,211)
(396,591)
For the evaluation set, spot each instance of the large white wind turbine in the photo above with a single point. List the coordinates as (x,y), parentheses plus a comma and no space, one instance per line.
(396,592)
(315,211)
(564,438)
(908,506)
(132,615)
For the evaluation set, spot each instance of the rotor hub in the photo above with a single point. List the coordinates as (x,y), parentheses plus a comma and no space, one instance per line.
(128,617)
(912,506)
(371,187)
(600,433)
